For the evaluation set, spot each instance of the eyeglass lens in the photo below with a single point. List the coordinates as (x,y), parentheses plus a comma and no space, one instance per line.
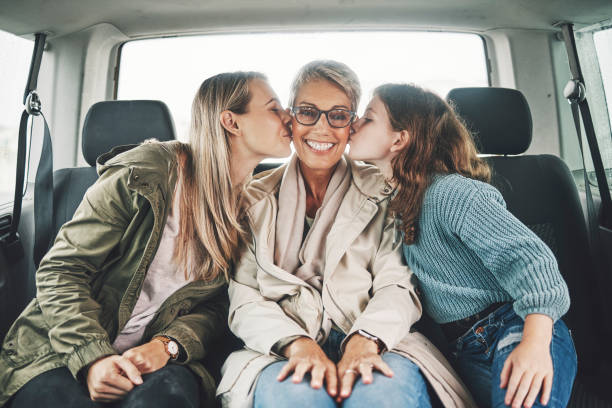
(338,118)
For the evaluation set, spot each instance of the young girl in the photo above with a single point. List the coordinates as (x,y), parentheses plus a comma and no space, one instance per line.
(136,280)
(490,282)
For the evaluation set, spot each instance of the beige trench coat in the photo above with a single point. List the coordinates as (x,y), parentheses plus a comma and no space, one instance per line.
(366,286)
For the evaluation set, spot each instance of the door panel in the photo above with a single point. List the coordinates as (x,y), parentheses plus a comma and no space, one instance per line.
(17,280)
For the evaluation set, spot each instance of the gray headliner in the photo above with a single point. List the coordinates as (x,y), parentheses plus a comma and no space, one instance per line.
(143,18)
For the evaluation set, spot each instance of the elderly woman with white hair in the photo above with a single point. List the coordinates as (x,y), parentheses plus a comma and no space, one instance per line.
(321,294)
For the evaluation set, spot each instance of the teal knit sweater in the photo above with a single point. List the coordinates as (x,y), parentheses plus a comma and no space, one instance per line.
(472,252)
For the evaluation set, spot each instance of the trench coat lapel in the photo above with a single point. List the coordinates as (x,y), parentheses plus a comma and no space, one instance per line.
(261,215)
(353,217)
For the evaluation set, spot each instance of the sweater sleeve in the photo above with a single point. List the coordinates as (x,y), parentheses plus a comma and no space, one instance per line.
(520,261)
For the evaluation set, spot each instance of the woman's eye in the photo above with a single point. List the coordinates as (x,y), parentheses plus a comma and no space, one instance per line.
(339,116)
(308,112)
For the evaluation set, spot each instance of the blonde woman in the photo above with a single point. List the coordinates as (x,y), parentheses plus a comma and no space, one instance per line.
(134,289)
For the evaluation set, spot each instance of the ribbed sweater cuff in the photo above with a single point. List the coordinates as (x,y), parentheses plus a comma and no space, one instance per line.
(555,308)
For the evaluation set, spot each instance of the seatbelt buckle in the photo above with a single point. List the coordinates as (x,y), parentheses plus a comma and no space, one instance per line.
(12,247)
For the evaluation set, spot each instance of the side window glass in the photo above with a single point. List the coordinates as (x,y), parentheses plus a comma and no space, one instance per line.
(603,48)
(177,65)
(15,55)
(594,45)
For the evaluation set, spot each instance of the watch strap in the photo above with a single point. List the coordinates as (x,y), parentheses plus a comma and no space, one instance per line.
(379,343)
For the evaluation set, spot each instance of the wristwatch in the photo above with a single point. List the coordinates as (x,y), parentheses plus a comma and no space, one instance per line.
(171,346)
(379,343)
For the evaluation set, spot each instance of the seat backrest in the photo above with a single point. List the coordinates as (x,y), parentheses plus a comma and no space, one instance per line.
(107,124)
(538,189)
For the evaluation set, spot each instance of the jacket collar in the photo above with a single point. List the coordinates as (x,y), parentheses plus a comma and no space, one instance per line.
(361,203)
(152,165)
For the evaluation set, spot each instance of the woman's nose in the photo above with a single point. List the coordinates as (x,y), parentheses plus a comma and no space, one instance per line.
(356,124)
(323,122)
(285,117)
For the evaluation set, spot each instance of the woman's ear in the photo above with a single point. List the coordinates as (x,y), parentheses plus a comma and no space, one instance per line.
(400,141)
(229,123)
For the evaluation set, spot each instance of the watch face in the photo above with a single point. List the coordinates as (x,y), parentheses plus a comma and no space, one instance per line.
(173,348)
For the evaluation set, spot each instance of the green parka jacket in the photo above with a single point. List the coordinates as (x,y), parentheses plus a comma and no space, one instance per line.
(89,281)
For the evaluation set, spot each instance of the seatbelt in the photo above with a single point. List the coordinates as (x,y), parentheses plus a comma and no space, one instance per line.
(43,199)
(43,184)
(573,95)
(11,242)
(575,92)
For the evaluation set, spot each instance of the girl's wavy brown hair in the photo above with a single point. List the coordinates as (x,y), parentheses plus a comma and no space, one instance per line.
(438,143)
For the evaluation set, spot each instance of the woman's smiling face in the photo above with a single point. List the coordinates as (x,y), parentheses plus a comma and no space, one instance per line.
(320,146)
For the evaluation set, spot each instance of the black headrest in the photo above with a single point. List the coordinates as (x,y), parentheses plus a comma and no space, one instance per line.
(499,118)
(113,123)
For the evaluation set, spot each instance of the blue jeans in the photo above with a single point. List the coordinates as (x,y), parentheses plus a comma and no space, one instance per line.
(407,388)
(481,352)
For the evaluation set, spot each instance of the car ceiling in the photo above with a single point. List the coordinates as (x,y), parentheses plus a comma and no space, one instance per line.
(142,18)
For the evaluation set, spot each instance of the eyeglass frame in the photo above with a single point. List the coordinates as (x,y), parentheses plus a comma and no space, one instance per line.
(353,115)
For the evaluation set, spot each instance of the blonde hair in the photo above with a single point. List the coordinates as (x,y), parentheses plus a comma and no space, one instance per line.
(335,72)
(210,227)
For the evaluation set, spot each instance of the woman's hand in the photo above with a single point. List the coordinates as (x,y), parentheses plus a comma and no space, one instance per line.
(360,358)
(148,357)
(110,378)
(305,356)
(529,368)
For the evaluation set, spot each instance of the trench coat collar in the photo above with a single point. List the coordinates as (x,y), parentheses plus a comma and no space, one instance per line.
(359,206)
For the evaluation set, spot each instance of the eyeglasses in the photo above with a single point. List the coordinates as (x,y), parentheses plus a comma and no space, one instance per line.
(309,116)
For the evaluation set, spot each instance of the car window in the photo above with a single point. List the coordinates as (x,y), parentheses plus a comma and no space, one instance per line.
(594,45)
(603,48)
(15,55)
(171,69)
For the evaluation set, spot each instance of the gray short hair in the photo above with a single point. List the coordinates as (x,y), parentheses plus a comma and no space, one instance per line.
(335,72)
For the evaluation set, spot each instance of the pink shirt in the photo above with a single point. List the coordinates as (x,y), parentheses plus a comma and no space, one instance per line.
(163,278)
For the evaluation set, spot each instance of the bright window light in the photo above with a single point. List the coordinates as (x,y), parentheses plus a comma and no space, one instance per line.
(172,69)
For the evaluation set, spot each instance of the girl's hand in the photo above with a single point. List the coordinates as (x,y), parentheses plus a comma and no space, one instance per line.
(148,357)
(360,358)
(529,368)
(305,356)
